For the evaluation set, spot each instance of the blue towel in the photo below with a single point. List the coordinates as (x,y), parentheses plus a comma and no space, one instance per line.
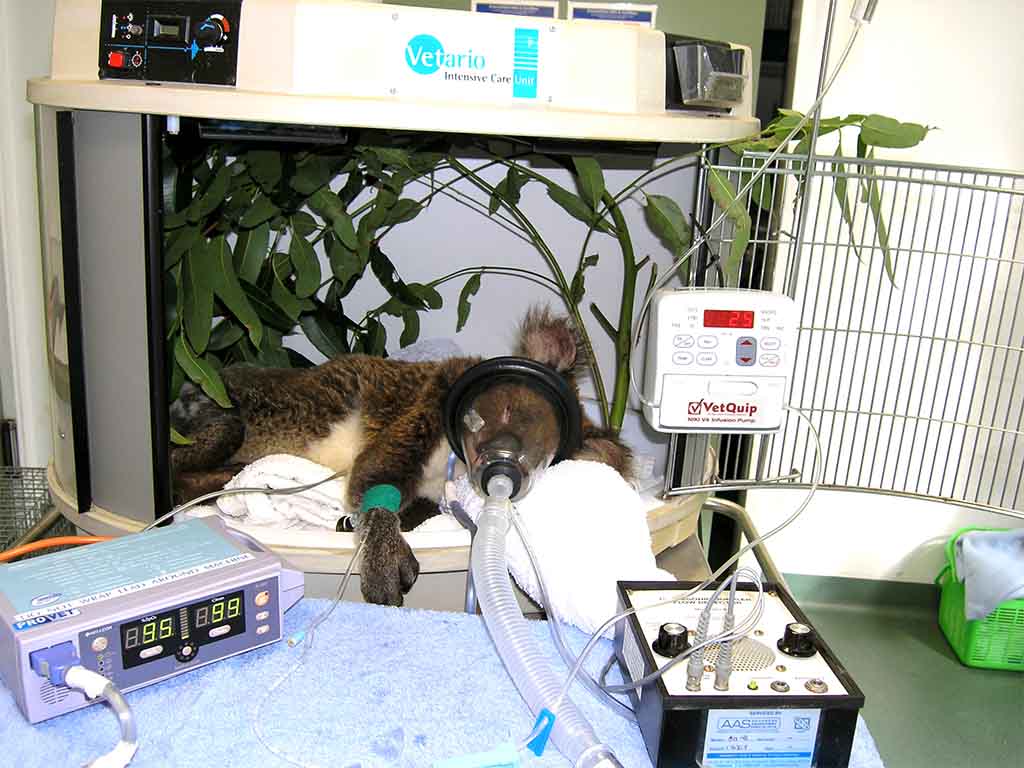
(380,687)
(991,565)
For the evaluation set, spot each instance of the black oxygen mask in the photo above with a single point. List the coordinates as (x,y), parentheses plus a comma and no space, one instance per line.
(511,417)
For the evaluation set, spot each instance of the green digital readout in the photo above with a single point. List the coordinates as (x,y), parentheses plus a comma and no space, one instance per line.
(160,635)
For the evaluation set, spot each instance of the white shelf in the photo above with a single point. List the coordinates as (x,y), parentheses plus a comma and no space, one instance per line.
(235,104)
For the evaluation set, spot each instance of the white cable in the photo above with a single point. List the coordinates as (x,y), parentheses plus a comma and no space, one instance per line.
(741,630)
(701,237)
(616,706)
(232,491)
(816,475)
(94,686)
(295,639)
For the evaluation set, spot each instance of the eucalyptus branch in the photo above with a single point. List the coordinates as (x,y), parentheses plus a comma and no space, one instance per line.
(477,207)
(564,288)
(524,274)
(623,340)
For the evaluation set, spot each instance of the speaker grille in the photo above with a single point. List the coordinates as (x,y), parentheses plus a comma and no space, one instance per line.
(747,655)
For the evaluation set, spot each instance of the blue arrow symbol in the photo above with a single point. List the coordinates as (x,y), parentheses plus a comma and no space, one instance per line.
(194,49)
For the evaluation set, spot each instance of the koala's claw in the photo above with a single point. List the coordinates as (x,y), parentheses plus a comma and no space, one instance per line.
(388,568)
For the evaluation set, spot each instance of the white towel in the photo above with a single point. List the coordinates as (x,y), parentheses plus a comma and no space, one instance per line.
(317,508)
(991,564)
(588,528)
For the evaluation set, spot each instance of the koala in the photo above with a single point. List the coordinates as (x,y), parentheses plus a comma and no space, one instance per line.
(379,421)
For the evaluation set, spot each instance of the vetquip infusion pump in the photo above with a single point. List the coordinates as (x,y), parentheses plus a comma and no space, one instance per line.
(718,360)
(138,609)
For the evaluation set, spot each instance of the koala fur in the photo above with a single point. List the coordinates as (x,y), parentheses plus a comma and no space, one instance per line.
(377,420)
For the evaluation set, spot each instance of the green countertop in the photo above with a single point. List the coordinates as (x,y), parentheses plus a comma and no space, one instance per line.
(922,706)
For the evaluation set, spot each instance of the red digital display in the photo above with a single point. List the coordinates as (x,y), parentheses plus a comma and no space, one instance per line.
(728,318)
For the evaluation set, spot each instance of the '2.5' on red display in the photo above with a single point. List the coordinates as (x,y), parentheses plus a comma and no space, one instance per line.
(728,318)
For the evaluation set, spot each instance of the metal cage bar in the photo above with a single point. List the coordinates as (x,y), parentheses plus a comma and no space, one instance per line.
(912,371)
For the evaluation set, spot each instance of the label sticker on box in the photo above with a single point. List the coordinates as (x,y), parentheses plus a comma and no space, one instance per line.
(548,10)
(768,738)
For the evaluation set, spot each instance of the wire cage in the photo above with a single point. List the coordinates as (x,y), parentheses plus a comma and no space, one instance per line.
(24,499)
(908,280)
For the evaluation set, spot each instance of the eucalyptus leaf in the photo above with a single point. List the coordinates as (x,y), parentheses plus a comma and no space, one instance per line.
(251,250)
(330,207)
(272,352)
(179,439)
(603,321)
(404,210)
(468,291)
(384,269)
(311,174)
(578,286)
(215,193)
(881,131)
(307,267)
(391,155)
(178,243)
(201,372)
(228,289)
(508,189)
(285,299)
(839,189)
(174,220)
(881,232)
(667,221)
(322,334)
(575,207)
(197,290)
(411,329)
(374,339)
(590,180)
(225,334)
(267,310)
(263,209)
(724,195)
(265,168)
(177,375)
(303,224)
(426,294)
(345,264)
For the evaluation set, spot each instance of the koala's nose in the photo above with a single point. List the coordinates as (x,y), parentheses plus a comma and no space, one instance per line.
(504,441)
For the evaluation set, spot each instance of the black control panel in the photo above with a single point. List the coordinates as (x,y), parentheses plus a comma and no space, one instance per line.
(180,41)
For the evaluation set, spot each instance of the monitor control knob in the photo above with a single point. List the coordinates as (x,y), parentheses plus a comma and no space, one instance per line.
(673,639)
(211,31)
(798,640)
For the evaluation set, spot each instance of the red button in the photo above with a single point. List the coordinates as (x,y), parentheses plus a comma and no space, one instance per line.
(745,343)
(115,59)
(744,359)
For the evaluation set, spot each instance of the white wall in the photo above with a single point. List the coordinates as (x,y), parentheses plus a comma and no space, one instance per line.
(448,236)
(956,66)
(25,37)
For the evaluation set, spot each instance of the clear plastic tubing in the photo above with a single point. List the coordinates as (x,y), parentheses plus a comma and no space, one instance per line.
(516,644)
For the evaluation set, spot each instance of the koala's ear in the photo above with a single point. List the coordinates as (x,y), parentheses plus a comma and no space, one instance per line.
(549,339)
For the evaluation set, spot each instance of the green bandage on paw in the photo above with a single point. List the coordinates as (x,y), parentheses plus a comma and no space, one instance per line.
(386,496)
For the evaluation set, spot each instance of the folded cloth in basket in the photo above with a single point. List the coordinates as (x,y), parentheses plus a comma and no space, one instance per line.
(588,529)
(991,565)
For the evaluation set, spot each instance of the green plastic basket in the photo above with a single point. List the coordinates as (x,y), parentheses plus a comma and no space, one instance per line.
(995,642)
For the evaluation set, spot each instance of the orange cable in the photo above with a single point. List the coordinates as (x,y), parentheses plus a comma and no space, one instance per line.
(57,541)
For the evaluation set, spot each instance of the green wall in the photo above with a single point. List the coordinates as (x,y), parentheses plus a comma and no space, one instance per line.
(738,21)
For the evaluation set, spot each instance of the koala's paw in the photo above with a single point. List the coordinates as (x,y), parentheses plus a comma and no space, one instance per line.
(388,568)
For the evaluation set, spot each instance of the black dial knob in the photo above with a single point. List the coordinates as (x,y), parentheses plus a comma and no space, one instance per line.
(210,32)
(798,640)
(673,639)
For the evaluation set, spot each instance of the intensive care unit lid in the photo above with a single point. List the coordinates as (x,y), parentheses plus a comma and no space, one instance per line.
(370,65)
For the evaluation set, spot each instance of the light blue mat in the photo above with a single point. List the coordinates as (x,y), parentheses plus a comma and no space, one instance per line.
(381,687)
